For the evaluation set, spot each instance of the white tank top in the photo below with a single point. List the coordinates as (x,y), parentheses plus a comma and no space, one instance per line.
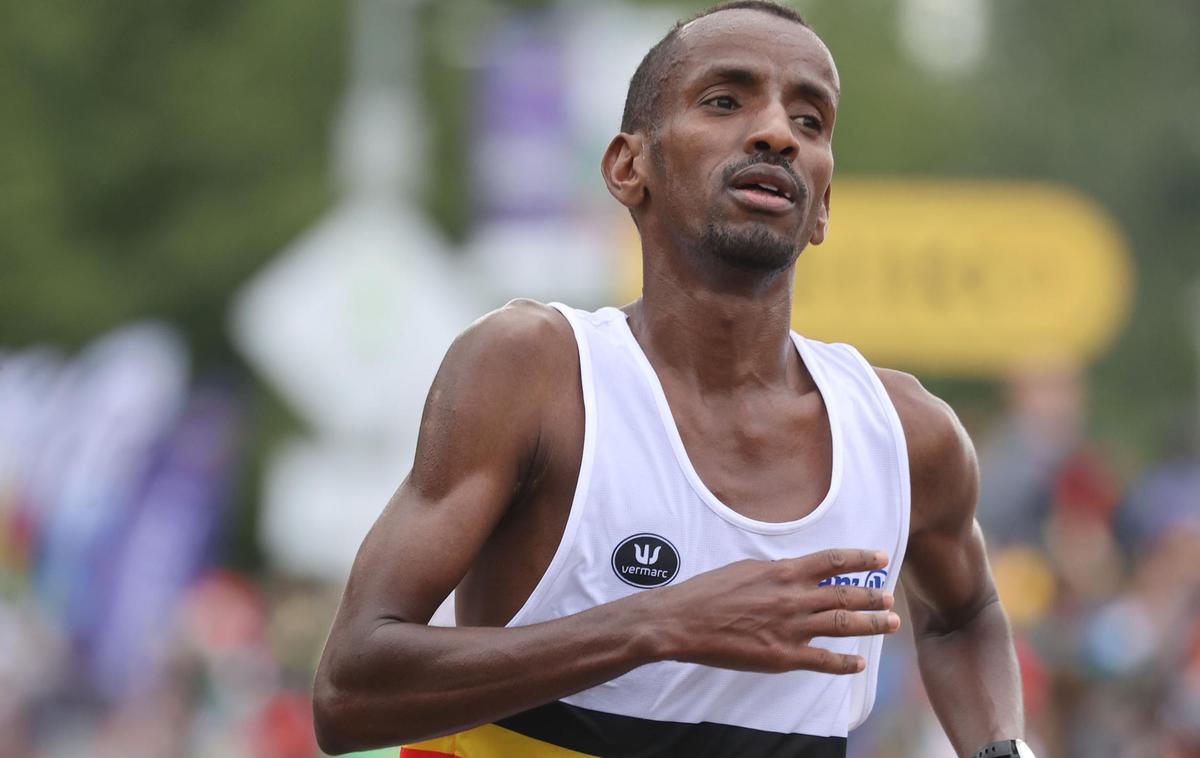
(642,518)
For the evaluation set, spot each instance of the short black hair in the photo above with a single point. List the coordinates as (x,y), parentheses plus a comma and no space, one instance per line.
(642,100)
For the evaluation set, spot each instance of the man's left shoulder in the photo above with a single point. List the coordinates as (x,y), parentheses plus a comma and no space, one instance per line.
(942,463)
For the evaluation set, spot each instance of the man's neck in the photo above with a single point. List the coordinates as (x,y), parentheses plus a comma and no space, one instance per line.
(724,333)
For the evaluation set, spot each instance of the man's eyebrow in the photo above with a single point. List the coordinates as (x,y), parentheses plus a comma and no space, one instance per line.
(810,90)
(726,73)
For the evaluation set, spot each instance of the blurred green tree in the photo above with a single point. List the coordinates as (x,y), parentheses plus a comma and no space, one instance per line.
(153,155)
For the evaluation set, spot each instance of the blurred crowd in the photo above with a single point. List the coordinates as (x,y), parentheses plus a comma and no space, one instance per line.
(122,634)
(1099,570)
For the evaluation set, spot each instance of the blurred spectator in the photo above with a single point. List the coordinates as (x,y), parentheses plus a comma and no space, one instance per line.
(1021,457)
(1167,496)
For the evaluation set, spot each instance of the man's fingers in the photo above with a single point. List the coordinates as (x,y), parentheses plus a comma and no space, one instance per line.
(834,561)
(844,623)
(829,662)
(833,596)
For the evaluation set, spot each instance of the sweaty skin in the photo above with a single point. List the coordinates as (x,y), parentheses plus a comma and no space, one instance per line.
(501,440)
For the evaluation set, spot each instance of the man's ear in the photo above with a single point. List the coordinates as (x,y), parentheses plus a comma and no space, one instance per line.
(822,226)
(623,169)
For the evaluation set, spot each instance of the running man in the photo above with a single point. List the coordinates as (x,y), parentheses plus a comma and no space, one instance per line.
(675,528)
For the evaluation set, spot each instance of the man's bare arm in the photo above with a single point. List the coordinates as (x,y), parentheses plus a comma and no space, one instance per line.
(386,677)
(963,639)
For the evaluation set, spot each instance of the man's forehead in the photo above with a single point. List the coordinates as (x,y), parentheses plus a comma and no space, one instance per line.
(756,34)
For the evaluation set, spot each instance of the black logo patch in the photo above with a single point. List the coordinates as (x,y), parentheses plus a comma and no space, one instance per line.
(645,560)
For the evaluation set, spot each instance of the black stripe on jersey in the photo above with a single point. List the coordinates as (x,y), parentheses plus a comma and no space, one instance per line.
(614,736)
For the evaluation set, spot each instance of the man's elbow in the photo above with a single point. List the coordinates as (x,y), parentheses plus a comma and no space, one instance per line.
(346,720)
(330,718)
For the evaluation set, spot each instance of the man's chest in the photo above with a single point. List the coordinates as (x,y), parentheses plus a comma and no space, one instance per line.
(771,464)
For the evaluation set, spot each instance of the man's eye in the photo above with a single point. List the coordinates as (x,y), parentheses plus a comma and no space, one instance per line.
(724,102)
(810,122)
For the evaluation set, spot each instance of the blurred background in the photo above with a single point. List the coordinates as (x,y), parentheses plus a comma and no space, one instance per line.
(236,238)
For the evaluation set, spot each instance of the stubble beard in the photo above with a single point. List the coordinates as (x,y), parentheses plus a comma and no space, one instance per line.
(757,249)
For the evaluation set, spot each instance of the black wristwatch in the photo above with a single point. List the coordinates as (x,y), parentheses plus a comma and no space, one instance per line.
(1005,749)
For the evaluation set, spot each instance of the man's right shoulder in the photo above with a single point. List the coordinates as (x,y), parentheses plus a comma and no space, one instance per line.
(523,322)
(524,337)
(499,388)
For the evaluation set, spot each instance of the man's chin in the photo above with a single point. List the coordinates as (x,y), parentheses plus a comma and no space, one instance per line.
(754,247)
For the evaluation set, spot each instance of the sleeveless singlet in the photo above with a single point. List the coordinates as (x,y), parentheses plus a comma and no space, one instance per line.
(642,518)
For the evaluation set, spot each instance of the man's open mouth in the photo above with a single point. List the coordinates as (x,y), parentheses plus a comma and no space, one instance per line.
(763,187)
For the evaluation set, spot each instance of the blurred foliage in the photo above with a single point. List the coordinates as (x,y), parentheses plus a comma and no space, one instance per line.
(154,155)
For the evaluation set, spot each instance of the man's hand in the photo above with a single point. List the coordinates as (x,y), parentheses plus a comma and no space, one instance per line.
(763,615)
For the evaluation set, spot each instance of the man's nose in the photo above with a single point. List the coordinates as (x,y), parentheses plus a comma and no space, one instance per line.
(773,132)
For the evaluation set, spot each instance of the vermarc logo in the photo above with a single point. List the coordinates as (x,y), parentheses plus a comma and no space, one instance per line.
(645,560)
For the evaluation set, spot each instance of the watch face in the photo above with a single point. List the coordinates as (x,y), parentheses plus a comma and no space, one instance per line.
(1023,750)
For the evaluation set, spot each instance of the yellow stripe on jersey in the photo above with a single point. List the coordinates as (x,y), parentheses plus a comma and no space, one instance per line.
(491,741)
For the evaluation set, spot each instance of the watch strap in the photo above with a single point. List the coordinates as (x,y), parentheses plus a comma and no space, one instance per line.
(1004,749)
